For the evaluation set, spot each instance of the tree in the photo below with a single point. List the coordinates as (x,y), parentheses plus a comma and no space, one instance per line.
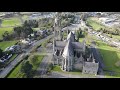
(23,31)
(33,59)
(1,53)
(6,36)
(17,31)
(32,23)
(26,68)
(110,35)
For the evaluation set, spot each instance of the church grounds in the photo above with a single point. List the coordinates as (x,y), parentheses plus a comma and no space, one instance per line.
(57,68)
(111,56)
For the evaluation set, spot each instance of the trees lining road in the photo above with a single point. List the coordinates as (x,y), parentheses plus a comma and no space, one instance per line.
(7,69)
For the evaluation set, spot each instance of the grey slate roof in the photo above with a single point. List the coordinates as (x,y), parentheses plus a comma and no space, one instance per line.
(60,44)
(71,36)
(78,45)
(68,50)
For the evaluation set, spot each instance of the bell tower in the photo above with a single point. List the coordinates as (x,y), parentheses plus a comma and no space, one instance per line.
(57,27)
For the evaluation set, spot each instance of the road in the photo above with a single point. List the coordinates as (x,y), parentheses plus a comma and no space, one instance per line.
(10,66)
(56,74)
(42,70)
(19,58)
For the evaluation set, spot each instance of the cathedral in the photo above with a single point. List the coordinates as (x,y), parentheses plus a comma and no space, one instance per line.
(70,54)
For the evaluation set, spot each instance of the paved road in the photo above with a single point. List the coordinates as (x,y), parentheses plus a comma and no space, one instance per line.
(42,70)
(19,58)
(56,74)
(10,66)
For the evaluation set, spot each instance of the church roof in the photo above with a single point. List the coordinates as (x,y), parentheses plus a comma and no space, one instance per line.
(71,36)
(68,50)
(78,45)
(60,44)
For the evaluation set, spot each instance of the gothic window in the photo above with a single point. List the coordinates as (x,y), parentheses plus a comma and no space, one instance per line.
(61,52)
(74,53)
(57,53)
(66,62)
(78,54)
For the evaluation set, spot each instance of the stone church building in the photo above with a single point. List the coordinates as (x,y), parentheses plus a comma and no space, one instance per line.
(70,54)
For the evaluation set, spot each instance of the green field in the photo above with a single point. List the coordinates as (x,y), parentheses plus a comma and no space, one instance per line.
(11,22)
(16,73)
(111,56)
(5,44)
(95,25)
(2,30)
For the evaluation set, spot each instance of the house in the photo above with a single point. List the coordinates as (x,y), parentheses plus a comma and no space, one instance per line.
(14,49)
(42,32)
(5,58)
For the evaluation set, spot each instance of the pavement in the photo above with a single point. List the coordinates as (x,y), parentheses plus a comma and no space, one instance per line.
(56,74)
(42,70)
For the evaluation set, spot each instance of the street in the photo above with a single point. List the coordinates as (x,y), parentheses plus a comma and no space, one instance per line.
(18,58)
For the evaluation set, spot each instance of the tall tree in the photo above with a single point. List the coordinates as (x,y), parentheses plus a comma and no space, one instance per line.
(6,36)
(26,68)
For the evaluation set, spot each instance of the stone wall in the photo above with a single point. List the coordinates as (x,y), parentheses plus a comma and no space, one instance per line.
(90,68)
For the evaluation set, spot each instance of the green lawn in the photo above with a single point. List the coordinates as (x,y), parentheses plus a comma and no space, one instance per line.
(16,72)
(5,44)
(56,68)
(11,22)
(94,24)
(110,56)
(2,30)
